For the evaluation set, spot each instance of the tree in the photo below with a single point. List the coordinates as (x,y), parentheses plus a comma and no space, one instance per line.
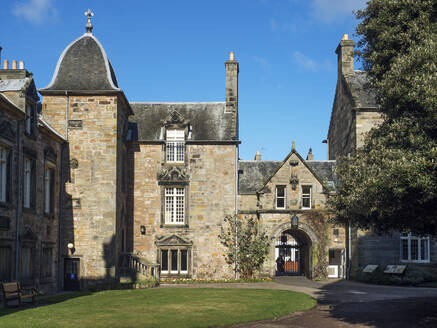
(391,183)
(251,247)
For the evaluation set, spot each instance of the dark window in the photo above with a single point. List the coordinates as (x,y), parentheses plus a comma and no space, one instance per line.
(164,260)
(46,262)
(280,197)
(26,263)
(184,261)
(5,174)
(174,260)
(5,263)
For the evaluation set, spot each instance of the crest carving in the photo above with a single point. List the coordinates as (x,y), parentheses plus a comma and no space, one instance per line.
(174,174)
(6,130)
(175,118)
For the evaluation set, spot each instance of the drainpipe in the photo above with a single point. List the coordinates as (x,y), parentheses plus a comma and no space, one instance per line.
(349,253)
(67,103)
(61,193)
(236,211)
(18,210)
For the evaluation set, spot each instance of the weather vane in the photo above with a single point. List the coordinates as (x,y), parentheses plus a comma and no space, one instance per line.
(89,26)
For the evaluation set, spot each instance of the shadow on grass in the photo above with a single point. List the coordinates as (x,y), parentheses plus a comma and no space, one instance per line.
(41,301)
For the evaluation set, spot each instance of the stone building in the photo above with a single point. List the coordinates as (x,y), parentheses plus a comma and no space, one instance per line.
(276,191)
(143,187)
(30,162)
(354,113)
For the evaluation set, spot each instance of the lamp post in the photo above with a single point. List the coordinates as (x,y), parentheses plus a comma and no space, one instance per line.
(294,221)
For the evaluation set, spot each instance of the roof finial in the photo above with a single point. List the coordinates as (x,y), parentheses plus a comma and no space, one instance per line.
(89,26)
(293,146)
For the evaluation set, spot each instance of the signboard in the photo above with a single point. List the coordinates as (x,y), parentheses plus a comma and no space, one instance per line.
(396,269)
(370,268)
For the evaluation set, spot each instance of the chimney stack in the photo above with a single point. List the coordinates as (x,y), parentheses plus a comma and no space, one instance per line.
(14,64)
(232,70)
(5,64)
(310,155)
(257,156)
(345,56)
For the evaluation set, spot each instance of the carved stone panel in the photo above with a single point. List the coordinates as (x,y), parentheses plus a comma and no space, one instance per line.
(173,174)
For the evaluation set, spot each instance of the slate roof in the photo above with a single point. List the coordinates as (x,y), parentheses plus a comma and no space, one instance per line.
(83,66)
(208,121)
(253,174)
(13,84)
(363,97)
(325,171)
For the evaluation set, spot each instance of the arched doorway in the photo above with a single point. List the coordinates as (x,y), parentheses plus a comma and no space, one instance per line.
(293,253)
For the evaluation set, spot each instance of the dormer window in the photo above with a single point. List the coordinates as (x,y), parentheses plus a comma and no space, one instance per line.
(175,146)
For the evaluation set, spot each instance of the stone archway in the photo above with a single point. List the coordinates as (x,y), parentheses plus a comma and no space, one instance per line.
(296,246)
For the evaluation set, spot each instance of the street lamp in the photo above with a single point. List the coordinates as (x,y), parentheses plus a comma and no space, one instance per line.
(294,221)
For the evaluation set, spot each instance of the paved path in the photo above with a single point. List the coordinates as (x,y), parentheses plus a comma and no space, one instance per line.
(348,304)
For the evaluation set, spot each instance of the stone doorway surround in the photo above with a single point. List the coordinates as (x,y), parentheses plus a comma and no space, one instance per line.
(305,237)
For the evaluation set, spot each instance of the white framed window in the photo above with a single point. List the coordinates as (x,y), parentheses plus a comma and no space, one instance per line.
(175,146)
(174,205)
(306,197)
(174,261)
(48,190)
(414,249)
(4,174)
(27,190)
(280,197)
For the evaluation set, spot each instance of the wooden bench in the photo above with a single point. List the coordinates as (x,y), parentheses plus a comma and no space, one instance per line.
(12,291)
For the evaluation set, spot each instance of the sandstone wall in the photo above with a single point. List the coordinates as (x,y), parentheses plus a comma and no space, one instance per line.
(210,195)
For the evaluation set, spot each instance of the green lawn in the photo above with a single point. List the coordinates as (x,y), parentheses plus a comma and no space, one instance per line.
(158,307)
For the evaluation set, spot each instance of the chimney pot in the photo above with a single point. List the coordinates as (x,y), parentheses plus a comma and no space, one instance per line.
(257,156)
(345,36)
(5,64)
(14,64)
(21,64)
(231,56)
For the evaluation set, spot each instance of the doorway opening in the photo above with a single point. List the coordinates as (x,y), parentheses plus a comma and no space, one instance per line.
(293,254)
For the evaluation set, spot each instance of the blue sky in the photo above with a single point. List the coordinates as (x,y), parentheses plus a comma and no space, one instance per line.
(173,50)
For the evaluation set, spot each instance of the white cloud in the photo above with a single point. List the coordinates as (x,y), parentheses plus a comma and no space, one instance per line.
(330,10)
(36,11)
(305,62)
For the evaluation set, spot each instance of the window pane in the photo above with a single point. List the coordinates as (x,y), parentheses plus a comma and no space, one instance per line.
(47,190)
(184,261)
(3,172)
(27,182)
(306,202)
(26,263)
(164,260)
(306,190)
(280,191)
(5,263)
(414,249)
(174,260)
(404,250)
(280,203)
(46,262)
(424,249)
